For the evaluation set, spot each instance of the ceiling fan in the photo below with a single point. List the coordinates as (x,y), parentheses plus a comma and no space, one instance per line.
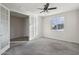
(46,8)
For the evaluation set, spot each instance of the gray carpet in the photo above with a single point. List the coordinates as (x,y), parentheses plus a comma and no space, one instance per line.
(43,46)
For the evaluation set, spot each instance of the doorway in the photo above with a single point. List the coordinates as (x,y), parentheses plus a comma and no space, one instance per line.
(19,27)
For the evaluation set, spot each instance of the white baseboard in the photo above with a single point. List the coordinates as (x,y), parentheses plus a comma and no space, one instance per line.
(62,40)
(4,49)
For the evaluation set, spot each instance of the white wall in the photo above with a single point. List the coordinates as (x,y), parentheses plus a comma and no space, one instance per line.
(71,28)
(40,26)
(19,27)
(78,24)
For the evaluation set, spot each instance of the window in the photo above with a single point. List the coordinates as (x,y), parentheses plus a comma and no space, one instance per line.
(57,23)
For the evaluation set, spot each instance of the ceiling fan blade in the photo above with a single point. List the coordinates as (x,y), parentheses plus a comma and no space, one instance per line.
(41,11)
(52,8)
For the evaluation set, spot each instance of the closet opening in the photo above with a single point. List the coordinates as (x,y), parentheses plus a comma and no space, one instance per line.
(19,27)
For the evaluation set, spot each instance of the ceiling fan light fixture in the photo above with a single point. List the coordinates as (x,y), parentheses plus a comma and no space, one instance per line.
(46,8)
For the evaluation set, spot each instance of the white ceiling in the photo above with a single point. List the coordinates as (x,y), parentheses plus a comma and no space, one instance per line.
(33,7)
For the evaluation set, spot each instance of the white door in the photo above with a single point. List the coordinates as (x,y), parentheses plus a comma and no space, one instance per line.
(31,28)
(4,29)
(34,27)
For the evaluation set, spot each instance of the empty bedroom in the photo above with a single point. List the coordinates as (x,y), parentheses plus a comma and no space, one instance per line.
(39,29)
